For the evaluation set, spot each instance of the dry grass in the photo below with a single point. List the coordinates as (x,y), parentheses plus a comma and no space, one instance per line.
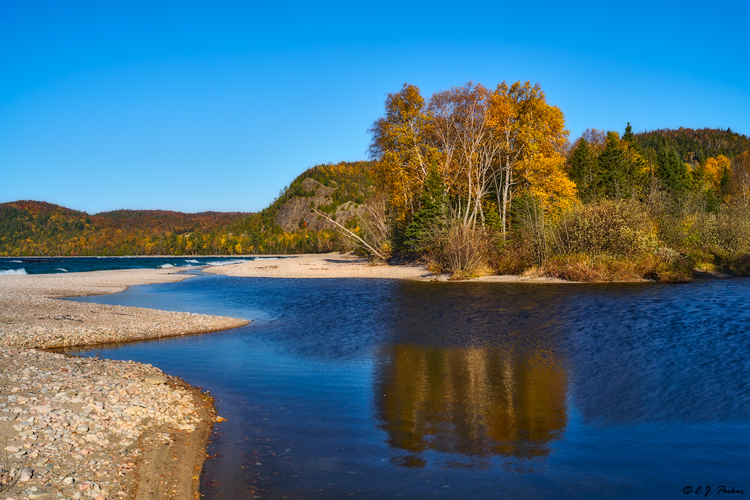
(664,266)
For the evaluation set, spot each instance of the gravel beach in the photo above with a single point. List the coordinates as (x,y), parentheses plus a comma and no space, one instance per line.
(74,427)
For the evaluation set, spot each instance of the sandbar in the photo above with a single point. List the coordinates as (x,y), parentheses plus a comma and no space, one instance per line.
(349,265)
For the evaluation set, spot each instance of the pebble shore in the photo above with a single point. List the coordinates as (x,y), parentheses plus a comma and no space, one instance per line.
(73,428)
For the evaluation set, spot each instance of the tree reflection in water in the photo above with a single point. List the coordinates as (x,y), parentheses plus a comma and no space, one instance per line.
(491,387)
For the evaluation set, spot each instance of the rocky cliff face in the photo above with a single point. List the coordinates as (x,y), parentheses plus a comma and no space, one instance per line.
(296,213)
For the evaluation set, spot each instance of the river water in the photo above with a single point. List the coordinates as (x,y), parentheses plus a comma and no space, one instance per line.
(388,389)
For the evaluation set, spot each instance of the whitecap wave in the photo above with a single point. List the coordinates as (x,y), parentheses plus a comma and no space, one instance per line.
(192,261)
(13,272)
(61,269)
(166,266)
(225,262)
(16,262)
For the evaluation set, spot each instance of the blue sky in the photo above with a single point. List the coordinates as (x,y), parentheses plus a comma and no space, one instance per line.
(196,106)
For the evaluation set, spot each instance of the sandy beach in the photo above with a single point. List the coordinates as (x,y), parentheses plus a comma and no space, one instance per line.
(328,265)
(348,265)
(93,428)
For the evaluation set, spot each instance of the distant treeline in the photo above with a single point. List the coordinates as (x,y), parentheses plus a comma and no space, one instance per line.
(38,228)
(695,146)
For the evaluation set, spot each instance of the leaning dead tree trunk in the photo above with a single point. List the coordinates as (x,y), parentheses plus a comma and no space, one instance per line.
(349,234)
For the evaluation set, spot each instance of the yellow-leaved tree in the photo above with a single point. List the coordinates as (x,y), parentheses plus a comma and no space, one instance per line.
(403,145)
(469,152)
(531,136)
(715,168)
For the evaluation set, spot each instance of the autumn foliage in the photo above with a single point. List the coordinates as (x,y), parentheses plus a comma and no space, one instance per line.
(484,180)
(37,228)
(473,180)
(486,147)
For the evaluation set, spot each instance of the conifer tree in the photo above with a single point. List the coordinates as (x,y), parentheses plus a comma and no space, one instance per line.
(613,169)
(431,218)
(672,172)
(583,171)
(628,135)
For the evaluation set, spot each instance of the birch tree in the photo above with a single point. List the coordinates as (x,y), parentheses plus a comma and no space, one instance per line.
(403,145)
(531,136)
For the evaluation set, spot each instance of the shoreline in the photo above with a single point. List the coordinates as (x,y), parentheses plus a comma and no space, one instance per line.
(347,265)
(132,430)
(73,427)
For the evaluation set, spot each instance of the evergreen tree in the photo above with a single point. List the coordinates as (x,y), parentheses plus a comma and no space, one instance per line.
(431,218)
(672,172)
(613,169)
(724,187)
(583,171)
(628,136)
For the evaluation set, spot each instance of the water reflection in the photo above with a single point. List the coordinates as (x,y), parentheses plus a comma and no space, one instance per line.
(498,387)
(473,401)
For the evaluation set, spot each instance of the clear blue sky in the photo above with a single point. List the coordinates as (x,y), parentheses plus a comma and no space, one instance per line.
(196,106)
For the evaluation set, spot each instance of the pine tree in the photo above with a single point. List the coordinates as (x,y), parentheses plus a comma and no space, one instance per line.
(583,171)
(628,135)
(613,169)
(672,172)
(431,218)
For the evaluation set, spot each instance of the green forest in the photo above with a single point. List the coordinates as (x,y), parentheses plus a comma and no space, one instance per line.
(471,181)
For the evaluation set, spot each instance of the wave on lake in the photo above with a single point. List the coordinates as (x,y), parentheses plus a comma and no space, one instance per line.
(13,272)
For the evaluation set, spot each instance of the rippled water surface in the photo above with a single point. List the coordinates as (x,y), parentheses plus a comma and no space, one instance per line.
(387,389)
(55,265)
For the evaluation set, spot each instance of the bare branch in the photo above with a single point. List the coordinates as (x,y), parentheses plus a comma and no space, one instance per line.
(349,234)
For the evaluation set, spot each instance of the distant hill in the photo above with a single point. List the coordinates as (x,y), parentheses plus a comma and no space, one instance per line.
(695,145)
(41,207)
(163,220)
(286,226)
(339,191)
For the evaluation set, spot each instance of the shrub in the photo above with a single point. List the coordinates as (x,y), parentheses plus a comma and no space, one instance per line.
(461,250)
(615,228)
(512,256)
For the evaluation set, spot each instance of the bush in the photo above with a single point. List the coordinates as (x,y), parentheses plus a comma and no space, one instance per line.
(740,265)
(512,256)
(461,251)
(615,228)
(578,267)
(665,265)
(671,267)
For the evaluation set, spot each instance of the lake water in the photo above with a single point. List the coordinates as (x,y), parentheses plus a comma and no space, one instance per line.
(385,389)
(54,265)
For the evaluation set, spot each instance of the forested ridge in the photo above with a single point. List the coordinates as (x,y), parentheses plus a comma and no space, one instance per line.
(39,228)
(695,146)
(473,181)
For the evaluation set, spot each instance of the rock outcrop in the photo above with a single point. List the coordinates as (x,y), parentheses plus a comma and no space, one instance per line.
(296,212)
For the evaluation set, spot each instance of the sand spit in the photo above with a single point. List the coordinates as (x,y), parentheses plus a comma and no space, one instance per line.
(328,265)
(348,265)
(30,317)
(74,428)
